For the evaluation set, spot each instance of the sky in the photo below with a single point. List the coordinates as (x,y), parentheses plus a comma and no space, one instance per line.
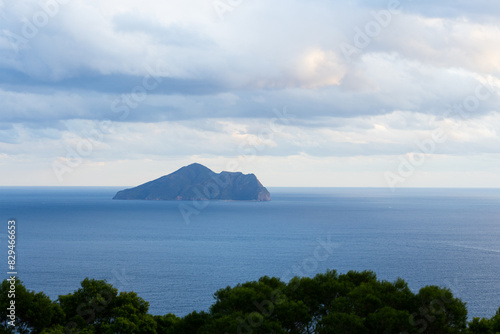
(314,93)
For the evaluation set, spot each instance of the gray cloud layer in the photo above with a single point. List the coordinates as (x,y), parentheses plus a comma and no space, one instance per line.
(361,78)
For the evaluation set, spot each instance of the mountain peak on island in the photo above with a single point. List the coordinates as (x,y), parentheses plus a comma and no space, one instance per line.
(194,167)
(197,182)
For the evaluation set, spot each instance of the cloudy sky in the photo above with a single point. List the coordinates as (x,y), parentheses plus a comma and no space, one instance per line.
(301,93)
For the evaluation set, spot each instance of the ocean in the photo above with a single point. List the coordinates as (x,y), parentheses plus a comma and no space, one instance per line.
(176,255)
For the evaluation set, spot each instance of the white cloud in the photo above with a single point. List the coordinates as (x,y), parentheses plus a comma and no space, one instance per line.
(221,79)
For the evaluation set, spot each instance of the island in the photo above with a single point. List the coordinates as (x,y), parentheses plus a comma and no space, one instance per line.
(197,182)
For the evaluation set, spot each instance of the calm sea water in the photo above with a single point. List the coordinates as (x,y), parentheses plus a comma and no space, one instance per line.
(426,236)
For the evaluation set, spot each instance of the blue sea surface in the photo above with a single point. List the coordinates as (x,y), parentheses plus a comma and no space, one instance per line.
(445,237)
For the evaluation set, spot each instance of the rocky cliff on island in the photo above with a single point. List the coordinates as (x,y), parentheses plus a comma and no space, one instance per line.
(197,182)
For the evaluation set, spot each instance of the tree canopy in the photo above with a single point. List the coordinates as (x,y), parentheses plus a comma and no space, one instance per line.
(354,302)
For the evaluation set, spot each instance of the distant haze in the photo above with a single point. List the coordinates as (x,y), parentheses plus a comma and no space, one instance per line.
(300,93)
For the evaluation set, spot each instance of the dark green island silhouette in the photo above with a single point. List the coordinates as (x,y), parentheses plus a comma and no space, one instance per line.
(197,182)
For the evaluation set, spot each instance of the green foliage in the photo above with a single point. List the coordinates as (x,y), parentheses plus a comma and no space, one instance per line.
(439,312)
(89,306)
(339,322)
(388,320)
(480,326)
(355,302)
(495,322)
(165,323)
(485,326)
(97,306)
(191,323)
(34,311)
